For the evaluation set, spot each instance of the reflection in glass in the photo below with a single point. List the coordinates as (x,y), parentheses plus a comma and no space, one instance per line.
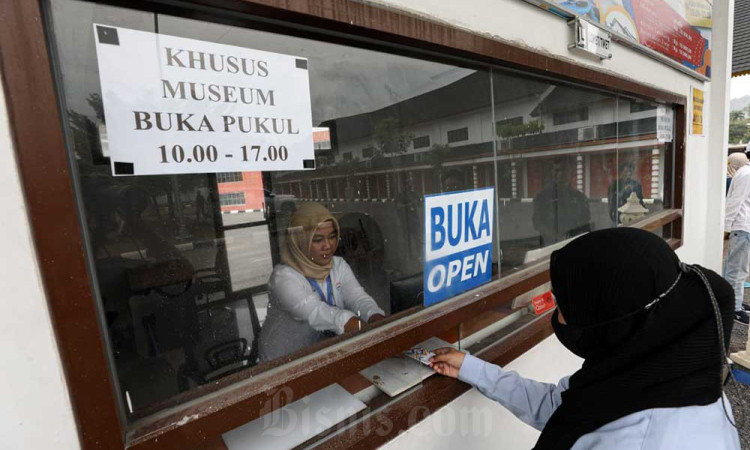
(638,190)
(550,139)
(560,210)
(182,263)
(193,273)
(428,134)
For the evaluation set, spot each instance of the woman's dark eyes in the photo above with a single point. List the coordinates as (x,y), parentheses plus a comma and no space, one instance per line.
(318,240)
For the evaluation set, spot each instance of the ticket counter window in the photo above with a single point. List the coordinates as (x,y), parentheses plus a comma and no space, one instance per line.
(207,276)
(203,275)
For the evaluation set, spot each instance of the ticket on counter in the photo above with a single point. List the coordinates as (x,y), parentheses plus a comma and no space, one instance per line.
(420,354)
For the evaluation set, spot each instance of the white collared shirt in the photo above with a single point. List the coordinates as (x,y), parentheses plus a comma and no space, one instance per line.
(297,314)
(737,212)
(686,428)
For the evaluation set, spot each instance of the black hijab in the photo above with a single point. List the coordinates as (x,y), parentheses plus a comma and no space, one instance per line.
(667,355)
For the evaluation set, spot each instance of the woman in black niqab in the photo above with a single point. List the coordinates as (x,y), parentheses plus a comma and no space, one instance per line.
(635,358)
(653,334)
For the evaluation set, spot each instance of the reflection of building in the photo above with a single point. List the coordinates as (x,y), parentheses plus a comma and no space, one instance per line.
(240,191)
(534,124)
(589,128)
(243,191)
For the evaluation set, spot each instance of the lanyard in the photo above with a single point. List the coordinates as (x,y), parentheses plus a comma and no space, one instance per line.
(315,286)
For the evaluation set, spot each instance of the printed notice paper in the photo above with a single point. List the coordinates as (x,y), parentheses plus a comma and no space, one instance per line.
(664,123)
(458,242)
(697,111)
(174,105)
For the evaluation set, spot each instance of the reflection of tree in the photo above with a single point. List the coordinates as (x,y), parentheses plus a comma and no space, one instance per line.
(390,139)
(105,196)
(437,155)
(510,130)
(348,167)
(739,126)
(85,132)
(95,101)
(85,136)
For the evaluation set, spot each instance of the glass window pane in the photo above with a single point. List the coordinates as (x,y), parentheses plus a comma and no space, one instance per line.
(202,275)
(638,190)
(557,146)
(196,273)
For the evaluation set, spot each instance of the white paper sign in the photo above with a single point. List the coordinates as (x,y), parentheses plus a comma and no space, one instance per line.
(174,105)
(458,242)
(664,124)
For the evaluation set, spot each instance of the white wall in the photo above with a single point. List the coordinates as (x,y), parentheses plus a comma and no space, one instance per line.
(35,411)
(526,25)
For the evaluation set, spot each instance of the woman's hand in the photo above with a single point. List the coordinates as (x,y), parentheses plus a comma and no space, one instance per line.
(375,318)
(352,325)
(447,361)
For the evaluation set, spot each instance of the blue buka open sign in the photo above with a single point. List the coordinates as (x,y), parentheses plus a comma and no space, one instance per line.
(458,242)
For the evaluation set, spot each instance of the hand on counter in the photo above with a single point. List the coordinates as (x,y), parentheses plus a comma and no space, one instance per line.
(447,361)
(352,325)
(375,318)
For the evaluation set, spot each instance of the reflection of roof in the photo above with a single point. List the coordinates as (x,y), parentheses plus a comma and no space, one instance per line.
(564,98)
(741,49)
(467,94)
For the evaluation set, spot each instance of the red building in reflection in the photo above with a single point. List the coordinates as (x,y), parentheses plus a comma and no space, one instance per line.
(243,191)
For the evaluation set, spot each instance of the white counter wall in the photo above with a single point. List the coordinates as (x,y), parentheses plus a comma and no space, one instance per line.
(35,410)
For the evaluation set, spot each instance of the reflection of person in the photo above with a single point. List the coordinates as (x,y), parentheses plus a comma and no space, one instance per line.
(200,206)
(560,212)
(653,345)
(313,293)
(737,230)
(620,189)
(734,163)
(407,202)
(453,180)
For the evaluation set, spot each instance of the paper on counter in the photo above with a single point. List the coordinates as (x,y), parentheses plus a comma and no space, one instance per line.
(395,375)
(296,422)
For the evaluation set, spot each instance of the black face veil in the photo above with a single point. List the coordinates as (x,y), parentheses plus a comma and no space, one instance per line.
(644,324)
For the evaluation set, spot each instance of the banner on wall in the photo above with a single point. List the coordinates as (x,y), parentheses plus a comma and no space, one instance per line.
(458,242)
(174,105)
(678,29)
(696,107)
